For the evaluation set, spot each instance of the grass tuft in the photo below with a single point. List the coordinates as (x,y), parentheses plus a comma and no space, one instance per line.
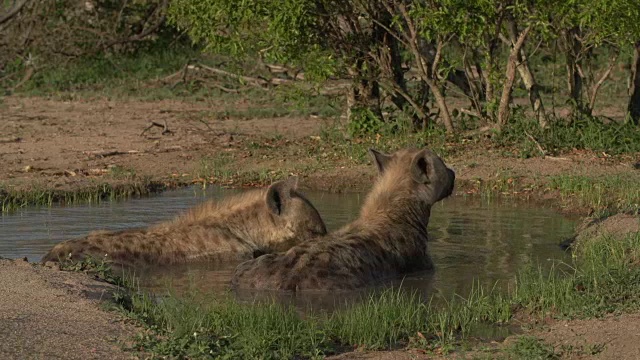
(531,348)
(12,200)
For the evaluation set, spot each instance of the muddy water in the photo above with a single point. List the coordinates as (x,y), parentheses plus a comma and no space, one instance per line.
(473,240)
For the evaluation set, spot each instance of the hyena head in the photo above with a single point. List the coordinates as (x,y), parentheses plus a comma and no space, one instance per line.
(293,213)
(413,174)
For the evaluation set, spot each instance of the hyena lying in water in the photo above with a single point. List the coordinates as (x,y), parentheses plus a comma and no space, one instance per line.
(388,239)
(238,228)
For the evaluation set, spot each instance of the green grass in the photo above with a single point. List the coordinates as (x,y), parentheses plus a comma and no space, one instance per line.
(12,200)
(197,327)
(118,76)
(531,348)
(578,132)
(121,173)
(605,194)
(381,321)
(604,278)
(215,168)
(140,76)
(310,155)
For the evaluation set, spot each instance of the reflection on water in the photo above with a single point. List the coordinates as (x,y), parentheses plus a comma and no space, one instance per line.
(473,240)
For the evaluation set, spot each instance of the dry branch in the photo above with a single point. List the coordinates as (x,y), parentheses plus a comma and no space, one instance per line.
(13,11)
(261,82)
(598,84)
(544,153)
(12,139)
(470,113)
(510,74)
(27,75)
(146,32)
(106,153)
(164,126)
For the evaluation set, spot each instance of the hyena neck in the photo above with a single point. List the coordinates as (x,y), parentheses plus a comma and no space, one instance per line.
(411,220)
(400,235)
(395,216)
(393,202)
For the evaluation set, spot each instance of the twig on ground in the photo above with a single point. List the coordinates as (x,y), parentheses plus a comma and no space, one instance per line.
(106,153)
(10,140)
(470,113)
(544,153)
(169,149)
(206,124)
(27,75)
(557,158)
(164,126)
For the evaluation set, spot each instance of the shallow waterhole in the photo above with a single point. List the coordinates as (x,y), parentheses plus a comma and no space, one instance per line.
(474,241)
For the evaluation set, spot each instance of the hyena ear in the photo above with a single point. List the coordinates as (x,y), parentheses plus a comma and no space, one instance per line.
(381,159)
(279,194)
(421,166)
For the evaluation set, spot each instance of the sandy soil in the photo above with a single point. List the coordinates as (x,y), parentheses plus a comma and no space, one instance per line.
(58,144)
(614,337)
(50,314)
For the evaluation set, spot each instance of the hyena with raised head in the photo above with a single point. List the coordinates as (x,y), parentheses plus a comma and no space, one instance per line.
(388,239)
(237,228)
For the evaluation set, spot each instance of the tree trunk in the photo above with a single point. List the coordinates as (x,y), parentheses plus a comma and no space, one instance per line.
(534,93)
(527,76)
(488,85)
(572,50)
(427,74)
(442,105)
(364,92)
(634,88)
(593,89)
(510,75)
(389,59)
(457,77)
(473,72)
(427,69)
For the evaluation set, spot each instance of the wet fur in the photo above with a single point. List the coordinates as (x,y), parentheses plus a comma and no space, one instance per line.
(388,239)
(237,228)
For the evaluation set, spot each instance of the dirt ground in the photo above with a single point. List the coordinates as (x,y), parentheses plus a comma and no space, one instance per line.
(613,337)
(69,144)
(52,314)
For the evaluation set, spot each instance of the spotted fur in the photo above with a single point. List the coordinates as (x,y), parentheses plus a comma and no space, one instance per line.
(237,228)
(388,239)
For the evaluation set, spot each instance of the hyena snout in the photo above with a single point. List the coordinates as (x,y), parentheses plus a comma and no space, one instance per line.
(449,184)
(443,179)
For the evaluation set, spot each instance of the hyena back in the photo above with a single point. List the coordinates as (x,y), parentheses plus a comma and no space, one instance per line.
(388,239)
(237,228)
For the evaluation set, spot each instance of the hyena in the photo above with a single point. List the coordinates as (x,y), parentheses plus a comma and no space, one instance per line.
(389,238)
(237,228)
